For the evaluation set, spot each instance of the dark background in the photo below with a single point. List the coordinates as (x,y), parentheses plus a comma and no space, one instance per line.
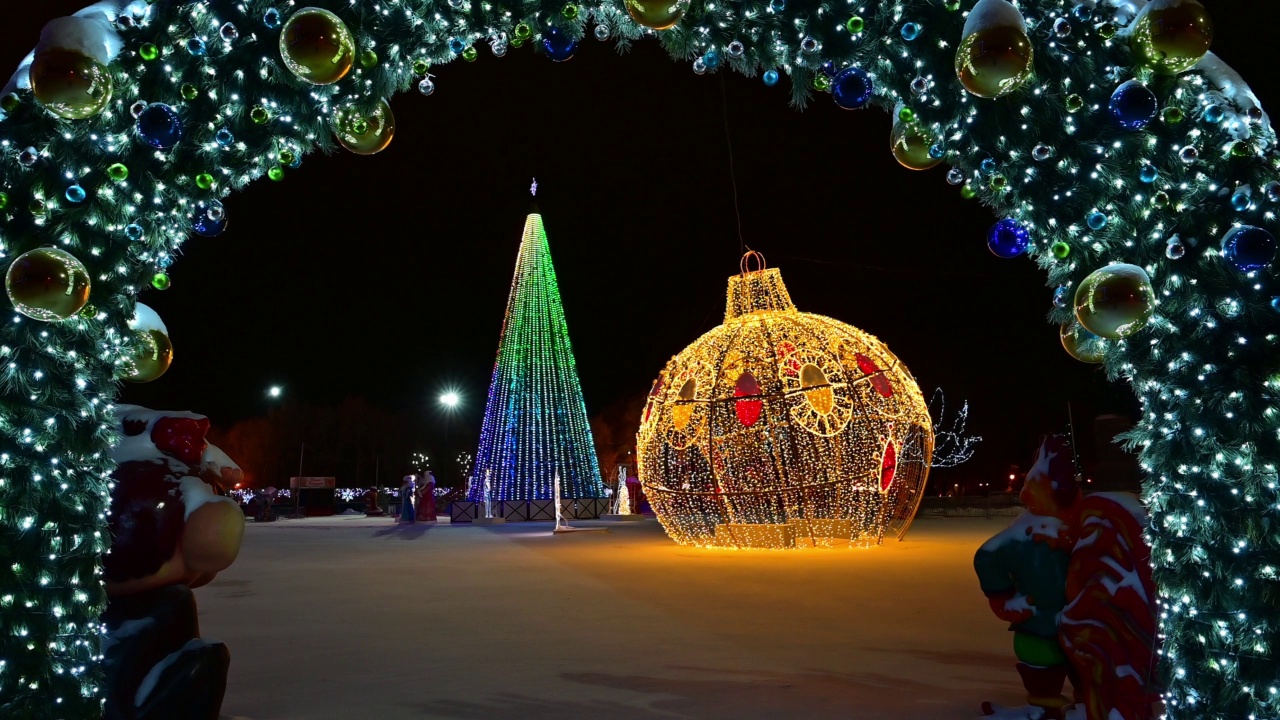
(386,277)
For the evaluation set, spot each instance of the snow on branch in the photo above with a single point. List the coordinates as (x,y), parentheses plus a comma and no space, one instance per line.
(951,446)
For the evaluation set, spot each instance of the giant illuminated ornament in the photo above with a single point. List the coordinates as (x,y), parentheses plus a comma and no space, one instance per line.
(783,429)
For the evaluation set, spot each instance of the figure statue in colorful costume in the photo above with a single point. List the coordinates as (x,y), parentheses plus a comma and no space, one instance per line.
(1072,576)
(1023,573)
(170,532)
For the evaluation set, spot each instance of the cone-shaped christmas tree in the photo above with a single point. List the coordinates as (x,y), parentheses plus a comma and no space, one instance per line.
(535,422)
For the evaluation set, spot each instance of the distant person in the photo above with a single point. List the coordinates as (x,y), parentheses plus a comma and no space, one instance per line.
(406,500)
(426,496)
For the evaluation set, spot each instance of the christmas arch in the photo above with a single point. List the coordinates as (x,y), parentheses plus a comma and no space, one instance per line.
(1136,169)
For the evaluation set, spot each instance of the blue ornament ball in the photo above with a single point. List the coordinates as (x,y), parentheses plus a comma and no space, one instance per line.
(456,46)
(557,44)
(271,18)
(1275,303)
(988,166)
(777,5)
(159,126)
(224,138)
(1148,173)
(1272,189)
(133,231)
(1008,239)
(1249,248)
(195,46)
(770,78)
(1096,220)
(1082,12)
(711,59)
(1133,106)
(75,194)
(1241,199)
(1214,114)
(910,31)
(852,89)
(936,152)
(1062,297)
(165,261)
(210,219)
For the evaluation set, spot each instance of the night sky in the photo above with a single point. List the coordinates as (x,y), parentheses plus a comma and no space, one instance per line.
(387,276)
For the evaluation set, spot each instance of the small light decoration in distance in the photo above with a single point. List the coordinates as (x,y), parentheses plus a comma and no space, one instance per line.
(783,429)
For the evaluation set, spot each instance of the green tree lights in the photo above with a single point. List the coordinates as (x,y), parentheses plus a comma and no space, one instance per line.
(216,107)
(535,424)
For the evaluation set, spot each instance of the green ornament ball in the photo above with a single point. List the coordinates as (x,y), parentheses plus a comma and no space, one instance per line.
(1172,115)
(470,54)
(1107,31)
(189,91)
(1160,199)
(907,115)
(855,25)
(148,52)
(287,157)
(1060,250)
(368,59)
(259,115)
(420,67)
(657,14)
(10,102)
(47,284)
(152,358)
(204,181)
(118,172)
(160,281)
(69,84)
(523,31)
(821,82)
(1241,148)
(999,182)
(569,11)
(36,207)
(4,200)
(517,41)
(276,173)
(1115,301)
(1074,103)
(952,5)
(316,46)
(968,193)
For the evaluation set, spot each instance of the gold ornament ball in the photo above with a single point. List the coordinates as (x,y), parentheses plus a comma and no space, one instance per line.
(1115,301)
(317,47)
(783,429)
(1172,39)
(1081,344)
(365,133)
(910,145)
(47,284)
(994,61)
(153,358)
(656,14)
(69,84)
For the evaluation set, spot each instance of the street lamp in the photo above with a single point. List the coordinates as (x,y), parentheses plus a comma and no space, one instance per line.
(450,399)
(275,391)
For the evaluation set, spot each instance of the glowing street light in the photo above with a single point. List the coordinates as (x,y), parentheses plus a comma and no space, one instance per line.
(275,391)
(450,399)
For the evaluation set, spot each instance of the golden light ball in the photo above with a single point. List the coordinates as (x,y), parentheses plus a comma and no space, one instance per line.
(70,84)
(995,61)
(1115,301)
(317,46)
(656,14)
(1171,36)
(1081,344)
(153,358)
(365,133)
(47,284)
(910,144)
(783,429)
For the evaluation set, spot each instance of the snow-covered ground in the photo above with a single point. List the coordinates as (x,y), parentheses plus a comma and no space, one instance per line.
(349,617)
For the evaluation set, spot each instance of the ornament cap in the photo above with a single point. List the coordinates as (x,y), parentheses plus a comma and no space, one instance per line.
(759,290)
